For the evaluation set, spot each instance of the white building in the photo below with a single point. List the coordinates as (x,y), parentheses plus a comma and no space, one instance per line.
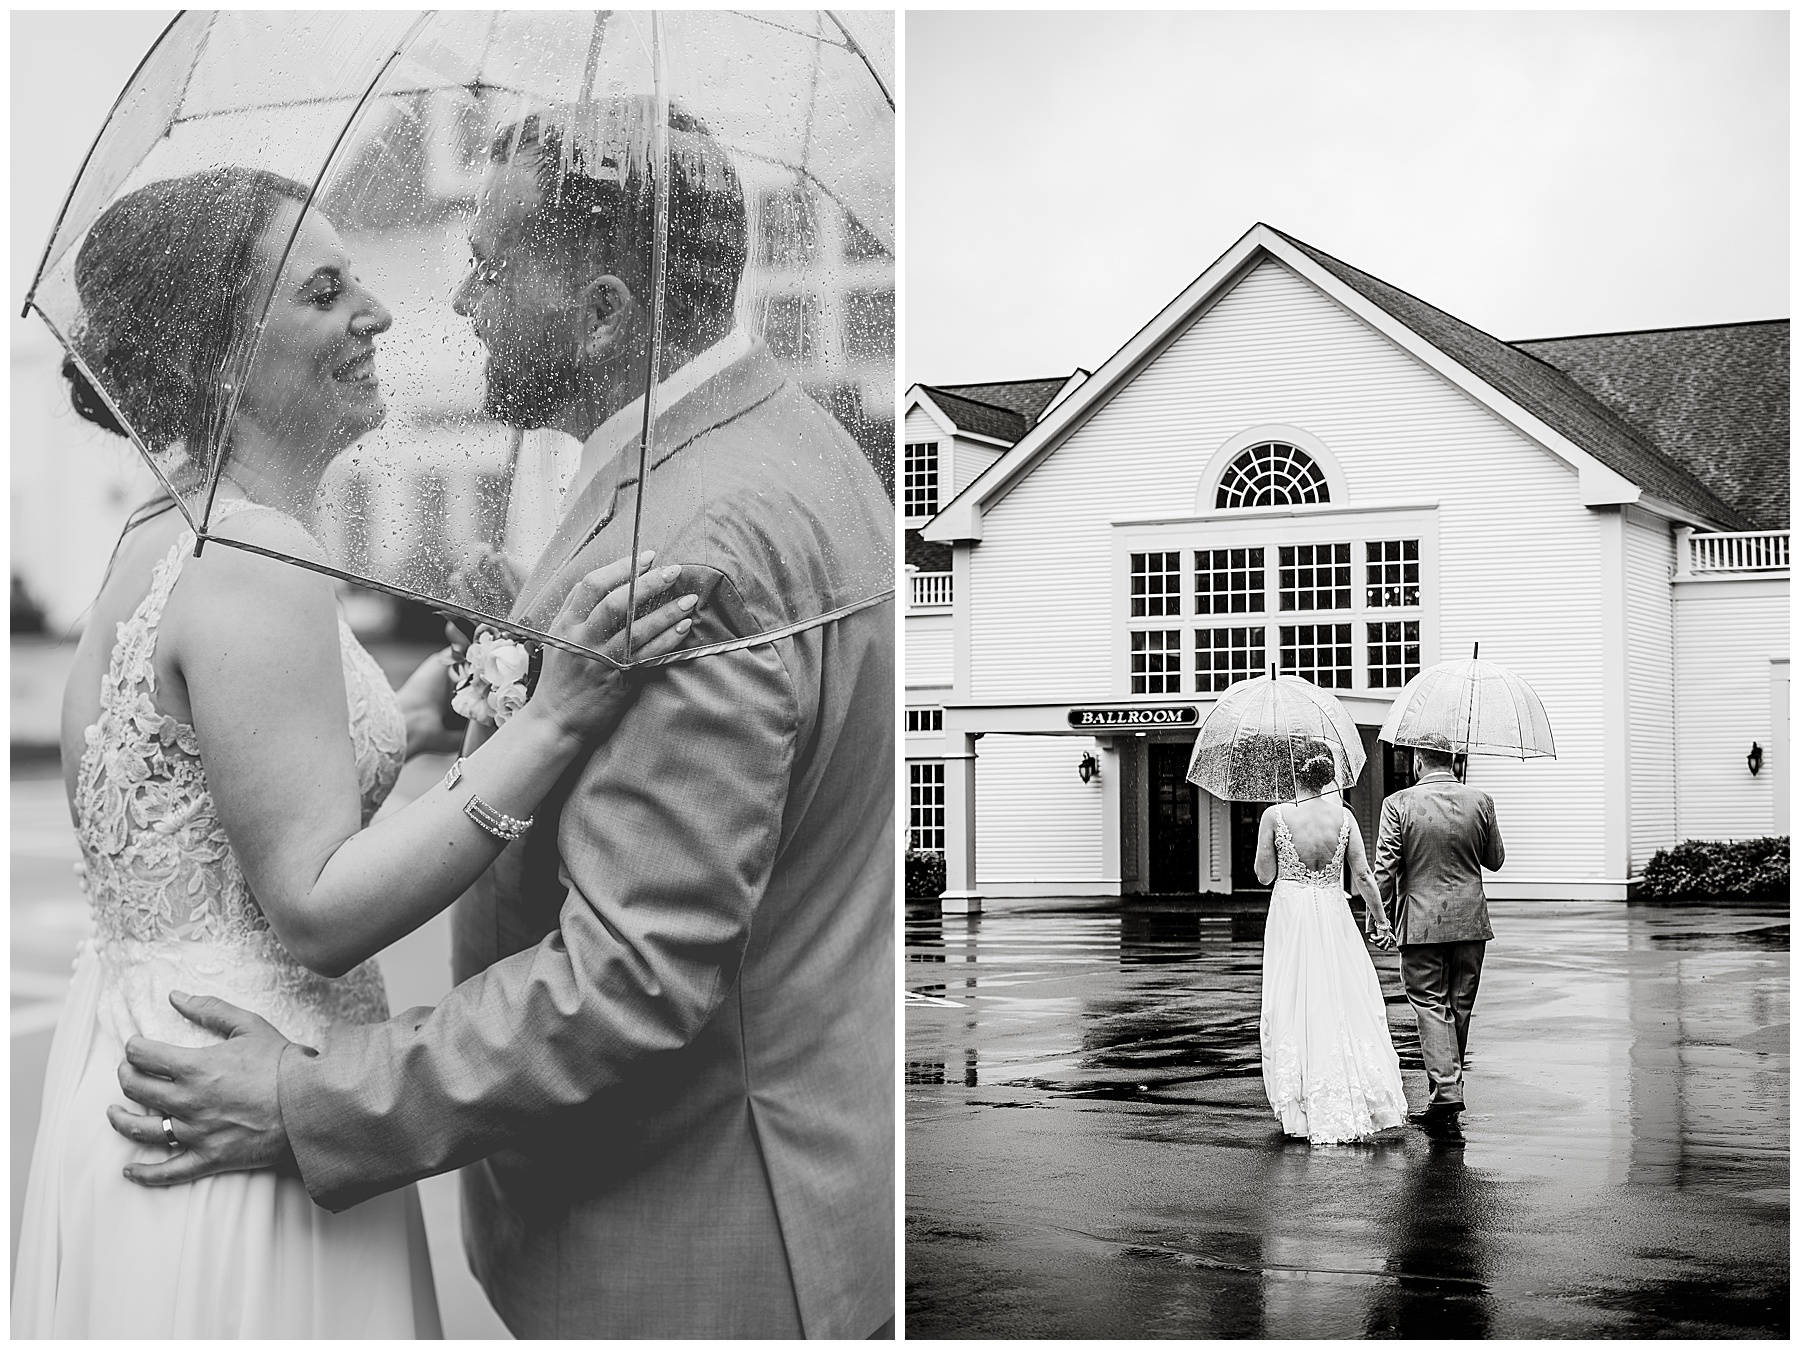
(1297,463)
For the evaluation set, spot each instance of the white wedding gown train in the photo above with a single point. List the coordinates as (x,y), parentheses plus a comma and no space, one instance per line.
(1328,1063)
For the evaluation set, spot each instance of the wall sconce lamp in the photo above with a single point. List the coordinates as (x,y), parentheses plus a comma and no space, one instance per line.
(1754,759)
(1089,768)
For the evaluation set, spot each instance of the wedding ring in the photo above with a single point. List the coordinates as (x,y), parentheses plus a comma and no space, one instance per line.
(169,1133)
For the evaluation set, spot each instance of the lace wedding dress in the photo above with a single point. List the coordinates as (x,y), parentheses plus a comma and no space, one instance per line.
(243,1254)
(1328,1062)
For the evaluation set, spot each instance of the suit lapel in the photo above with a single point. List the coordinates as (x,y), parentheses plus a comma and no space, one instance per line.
(740,386)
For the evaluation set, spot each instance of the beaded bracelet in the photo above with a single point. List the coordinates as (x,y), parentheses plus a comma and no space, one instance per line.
(496,823)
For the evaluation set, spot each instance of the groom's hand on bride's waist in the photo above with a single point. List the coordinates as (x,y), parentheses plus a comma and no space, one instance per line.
(221,1102)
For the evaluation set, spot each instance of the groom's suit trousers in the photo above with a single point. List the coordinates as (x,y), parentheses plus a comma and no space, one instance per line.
(1441,982)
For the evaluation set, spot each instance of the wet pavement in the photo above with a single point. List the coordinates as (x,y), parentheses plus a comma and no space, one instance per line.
(1089,1152)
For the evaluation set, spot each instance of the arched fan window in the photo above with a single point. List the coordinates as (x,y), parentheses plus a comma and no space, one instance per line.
(1272,474)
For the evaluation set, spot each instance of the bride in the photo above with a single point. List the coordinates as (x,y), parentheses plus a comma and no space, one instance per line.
(1328,1063)
(225,743)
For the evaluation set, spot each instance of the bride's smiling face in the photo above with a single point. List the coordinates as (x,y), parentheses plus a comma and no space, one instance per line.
(313,382)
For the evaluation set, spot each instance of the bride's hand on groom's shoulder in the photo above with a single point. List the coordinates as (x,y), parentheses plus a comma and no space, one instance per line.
(587,697)
(221,1102)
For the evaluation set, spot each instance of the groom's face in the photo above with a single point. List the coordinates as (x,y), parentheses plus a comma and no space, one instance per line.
(523,301)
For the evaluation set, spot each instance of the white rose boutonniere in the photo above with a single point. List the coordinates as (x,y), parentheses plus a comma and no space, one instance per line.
(494,679)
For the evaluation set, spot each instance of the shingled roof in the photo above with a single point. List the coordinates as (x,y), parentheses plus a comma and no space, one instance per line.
(982,419)
(1713,399)
(1004,411)
(1543,390)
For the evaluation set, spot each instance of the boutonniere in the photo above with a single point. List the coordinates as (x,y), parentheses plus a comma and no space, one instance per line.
(495,678)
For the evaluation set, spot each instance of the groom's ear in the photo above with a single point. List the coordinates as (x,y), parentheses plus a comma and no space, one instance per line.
(607,305)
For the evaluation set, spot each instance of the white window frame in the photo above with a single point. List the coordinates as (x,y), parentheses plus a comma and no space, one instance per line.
(1269,528)
(938,466)
(928,818)
(925,720)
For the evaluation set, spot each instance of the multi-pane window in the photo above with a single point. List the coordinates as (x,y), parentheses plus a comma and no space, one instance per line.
(1393,573)
(1348,614)
(1318,651)
(924,719)
(920,474)
(1271,474)
(791,327)
(1155,584)
(925,824)
(1229,581)
(1223,656)
(869,324)
(1393,653)
(1314,576)
(1156,662)
(789,232)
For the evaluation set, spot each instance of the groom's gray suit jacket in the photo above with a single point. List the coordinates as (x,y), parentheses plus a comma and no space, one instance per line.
(670,1057)
(1435,838)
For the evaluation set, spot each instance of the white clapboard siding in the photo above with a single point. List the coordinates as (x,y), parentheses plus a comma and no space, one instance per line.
(1036,821)
(1650,665)
(928,651)
(1725,633)
(1519,563)
(920,426)
(969,460)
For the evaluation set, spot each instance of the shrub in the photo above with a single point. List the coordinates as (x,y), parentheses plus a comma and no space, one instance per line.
(924,874)
(1708,869)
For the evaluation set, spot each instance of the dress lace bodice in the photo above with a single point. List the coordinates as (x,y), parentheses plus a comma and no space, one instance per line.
(171,908)
(1290,868)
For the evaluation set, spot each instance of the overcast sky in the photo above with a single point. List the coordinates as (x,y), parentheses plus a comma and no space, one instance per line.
(1536,174)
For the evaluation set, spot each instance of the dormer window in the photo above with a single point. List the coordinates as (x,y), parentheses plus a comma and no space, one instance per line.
(919,475)
(1272,473)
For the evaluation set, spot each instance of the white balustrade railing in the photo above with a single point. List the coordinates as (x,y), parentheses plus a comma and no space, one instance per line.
(1745,551)
(931,590)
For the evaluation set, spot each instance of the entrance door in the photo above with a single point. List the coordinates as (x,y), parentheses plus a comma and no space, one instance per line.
(1174,834)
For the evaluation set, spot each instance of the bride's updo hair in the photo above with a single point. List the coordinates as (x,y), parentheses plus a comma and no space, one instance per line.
(1315,767)
(166,277)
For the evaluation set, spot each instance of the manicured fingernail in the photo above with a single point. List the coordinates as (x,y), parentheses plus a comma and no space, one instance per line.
(688,601)
(670,573)
(647,557)
(684,625)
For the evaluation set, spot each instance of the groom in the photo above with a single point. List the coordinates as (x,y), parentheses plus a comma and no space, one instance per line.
(1436,837)
(667,1070)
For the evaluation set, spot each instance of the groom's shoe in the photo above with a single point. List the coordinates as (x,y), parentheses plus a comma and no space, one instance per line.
(1440,1123)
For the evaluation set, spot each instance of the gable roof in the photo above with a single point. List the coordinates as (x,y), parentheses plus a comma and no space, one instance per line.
(977,416)
(1714,399)
(1028,398)
(1616,462)
(1542,389)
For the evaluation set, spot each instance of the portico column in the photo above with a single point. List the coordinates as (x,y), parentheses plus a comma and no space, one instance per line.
(960,895)
(1111,778)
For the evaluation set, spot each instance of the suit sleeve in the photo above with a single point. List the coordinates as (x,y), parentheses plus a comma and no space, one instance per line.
(650,938)
(1493,850)
(1389,868)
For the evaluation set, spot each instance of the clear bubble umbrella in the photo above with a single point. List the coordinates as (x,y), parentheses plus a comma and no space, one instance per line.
(735,170)
(1471,707)
(1261,730)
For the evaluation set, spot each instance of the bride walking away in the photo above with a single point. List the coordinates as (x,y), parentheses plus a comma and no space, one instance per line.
(1328,1063)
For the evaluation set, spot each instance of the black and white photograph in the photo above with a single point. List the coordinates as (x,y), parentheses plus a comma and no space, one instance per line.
(453,814)
(1344,483)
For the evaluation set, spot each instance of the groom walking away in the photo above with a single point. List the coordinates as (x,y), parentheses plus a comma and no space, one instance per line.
(1435,838)
(668,1068)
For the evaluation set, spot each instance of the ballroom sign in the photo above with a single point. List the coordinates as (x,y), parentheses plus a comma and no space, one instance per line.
(1175,715)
